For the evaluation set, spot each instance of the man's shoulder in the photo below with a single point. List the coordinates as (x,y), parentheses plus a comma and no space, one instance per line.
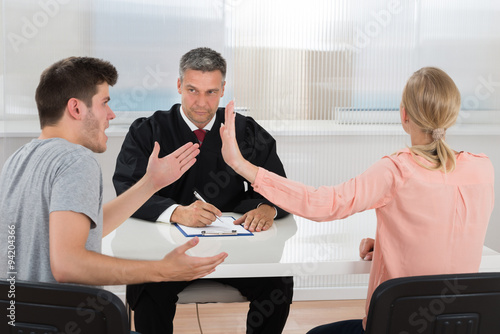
(173,111)
(252,126)
(54,153)
(58,147)
(70,153)
(159,116)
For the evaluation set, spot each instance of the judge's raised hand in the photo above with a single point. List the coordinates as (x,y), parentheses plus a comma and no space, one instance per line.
(178,266)
(230,150)
(164,171)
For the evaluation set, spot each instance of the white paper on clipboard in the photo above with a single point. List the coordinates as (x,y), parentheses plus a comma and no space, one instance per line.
(217,228)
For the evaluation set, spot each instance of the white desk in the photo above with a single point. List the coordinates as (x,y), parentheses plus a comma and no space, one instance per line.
(280,251)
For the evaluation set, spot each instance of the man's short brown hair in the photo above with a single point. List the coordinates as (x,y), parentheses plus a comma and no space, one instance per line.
(73,77)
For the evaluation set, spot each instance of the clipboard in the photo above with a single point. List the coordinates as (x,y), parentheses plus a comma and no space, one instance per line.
(223,228)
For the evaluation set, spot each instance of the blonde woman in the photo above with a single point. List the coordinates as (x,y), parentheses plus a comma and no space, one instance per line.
(433,204)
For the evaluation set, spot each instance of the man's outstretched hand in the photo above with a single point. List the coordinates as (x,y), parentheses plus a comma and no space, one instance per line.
(178,266)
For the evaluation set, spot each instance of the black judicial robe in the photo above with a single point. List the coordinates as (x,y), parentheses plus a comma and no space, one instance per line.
(210,175)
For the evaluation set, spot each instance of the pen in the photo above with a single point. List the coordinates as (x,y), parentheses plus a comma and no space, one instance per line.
(233,232)
(198,196)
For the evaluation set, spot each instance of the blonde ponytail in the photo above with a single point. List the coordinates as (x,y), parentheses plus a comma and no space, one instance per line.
(432,101)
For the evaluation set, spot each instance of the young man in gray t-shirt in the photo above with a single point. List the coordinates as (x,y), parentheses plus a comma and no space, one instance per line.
(51,190)
(41,177)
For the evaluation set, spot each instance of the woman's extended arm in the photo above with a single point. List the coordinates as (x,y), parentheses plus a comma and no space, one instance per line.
(371,189)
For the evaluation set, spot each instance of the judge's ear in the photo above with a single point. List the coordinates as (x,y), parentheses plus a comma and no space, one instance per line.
(179,84)
(223,87)
(73,107)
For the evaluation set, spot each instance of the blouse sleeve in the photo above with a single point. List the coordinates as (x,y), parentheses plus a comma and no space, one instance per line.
(372,189)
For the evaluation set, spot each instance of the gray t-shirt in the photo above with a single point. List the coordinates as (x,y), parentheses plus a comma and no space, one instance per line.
(41,177)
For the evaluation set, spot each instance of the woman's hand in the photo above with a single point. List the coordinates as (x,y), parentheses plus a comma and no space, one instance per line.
(230,150)
(366,249)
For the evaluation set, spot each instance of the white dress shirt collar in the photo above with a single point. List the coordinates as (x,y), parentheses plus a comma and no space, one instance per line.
(193,127)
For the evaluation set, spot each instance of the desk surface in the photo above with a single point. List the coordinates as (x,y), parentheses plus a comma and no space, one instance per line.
(286,249)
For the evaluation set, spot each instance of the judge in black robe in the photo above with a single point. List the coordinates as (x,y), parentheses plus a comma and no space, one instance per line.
(154,303)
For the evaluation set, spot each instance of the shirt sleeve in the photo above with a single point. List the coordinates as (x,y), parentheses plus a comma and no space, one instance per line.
(78,188)
(166,216)
(372,189)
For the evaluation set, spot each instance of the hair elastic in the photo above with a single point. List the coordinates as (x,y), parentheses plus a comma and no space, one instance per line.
(438,134)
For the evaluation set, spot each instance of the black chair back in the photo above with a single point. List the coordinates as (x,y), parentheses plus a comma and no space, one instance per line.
(440,304)
(59,308)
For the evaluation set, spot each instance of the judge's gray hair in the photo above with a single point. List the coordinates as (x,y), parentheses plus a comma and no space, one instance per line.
(202,59)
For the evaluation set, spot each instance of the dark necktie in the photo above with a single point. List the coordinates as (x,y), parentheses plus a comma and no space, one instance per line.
(200,134)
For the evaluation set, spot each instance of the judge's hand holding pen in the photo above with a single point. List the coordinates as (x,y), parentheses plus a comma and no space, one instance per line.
(197,214)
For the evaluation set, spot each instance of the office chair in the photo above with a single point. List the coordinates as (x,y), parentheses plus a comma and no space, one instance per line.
(439,304)
(206,291)
(42,308)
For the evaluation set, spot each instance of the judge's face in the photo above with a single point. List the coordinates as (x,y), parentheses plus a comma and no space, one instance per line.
(200,95)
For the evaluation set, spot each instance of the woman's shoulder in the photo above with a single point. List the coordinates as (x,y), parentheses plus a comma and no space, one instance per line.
(469,155)
(401,156)
(477,161)
(405,154)
(396,163)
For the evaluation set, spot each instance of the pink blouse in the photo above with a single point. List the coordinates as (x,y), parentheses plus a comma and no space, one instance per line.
(428,222)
